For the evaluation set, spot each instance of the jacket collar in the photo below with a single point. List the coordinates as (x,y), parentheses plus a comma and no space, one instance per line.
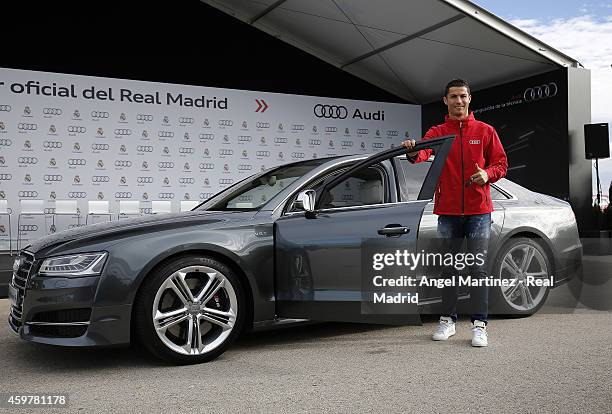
(455,122)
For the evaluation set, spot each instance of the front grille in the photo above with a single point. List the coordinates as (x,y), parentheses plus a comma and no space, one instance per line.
(58,331)
(19,282)
(63,316)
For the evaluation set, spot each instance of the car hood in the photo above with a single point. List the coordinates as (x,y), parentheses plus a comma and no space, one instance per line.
(146,224)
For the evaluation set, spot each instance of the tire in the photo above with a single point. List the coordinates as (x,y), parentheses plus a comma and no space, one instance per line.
(169,316)
(520,300)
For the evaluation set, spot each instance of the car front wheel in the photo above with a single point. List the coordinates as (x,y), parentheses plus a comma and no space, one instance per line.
(190,310)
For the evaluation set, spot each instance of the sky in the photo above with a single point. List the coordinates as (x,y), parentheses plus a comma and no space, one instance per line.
(581,30)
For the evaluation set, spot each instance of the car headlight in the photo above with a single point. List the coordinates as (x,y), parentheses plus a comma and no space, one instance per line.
(85,264)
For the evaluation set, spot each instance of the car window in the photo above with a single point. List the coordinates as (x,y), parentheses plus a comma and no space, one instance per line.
(410,177)
(362,188)
(497,195)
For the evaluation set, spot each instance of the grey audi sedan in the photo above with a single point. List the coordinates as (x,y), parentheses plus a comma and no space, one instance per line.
(290,243)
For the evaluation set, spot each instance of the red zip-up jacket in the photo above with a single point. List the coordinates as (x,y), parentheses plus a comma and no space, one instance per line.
(475,143)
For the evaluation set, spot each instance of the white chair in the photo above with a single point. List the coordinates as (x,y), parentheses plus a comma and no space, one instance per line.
(98,208)
(4,212)
(128,208)
(188,205)
(29,208)
(161,206)
(66,208)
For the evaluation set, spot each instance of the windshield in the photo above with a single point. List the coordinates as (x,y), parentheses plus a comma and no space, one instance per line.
(254,192)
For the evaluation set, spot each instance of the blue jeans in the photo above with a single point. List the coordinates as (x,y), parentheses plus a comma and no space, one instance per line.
(453,230)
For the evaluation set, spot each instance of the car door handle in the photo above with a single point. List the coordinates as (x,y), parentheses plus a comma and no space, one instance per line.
(393,230)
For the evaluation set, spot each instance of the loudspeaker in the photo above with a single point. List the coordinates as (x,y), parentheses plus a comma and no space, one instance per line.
(596,143)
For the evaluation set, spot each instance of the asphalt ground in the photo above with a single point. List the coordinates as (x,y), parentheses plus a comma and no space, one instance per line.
(558,360)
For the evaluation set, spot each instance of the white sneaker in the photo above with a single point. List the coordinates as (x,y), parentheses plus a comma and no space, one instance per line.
(446,329)
(479,331)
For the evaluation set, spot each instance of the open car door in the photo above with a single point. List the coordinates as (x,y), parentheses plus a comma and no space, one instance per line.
(324,258)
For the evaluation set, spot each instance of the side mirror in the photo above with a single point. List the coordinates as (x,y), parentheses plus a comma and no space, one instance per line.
(305,200)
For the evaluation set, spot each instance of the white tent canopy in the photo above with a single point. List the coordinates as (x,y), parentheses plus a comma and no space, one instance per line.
(410,48)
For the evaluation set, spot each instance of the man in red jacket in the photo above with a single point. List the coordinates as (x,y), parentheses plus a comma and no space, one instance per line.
(463,200)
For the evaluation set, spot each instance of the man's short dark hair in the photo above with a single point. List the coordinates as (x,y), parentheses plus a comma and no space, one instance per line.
(457,83)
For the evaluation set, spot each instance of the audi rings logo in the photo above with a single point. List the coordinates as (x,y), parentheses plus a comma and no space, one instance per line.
(297,127)
(331,129)
(100,179)
(123,163)
(77,161)
(144,148)
(186,180)
(314,141)
(165,196)
(144,180)
(346,143)
(392,133)
(226,151)
(52,144)
(99,114)
(262,153)
(224,181)
(5,108)
(74,129)
(245,138)
(165,134)
(27,160)
(52,111)
(208,137)
(226,122)
(144,117)
(245,167)
(5,142)
(100,147)
(540,92)
(363,131)
(280,140)
(27,127)
(28,194)
(52,178)
(262,125)
(297,155)
(165,164)
(77,194)
(205,196)
(28,227)
(330,111)
(123,131)
(207,166)
(123,194)
(186,150)
(186,120)
(377,145)
(6,177)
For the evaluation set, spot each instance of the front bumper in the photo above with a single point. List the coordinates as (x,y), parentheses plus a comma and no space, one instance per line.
(62,311)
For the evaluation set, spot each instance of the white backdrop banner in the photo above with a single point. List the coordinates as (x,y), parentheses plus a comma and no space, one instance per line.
(82,138)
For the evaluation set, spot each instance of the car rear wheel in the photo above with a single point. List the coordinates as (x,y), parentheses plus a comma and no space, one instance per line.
(190,310)
(519,260)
